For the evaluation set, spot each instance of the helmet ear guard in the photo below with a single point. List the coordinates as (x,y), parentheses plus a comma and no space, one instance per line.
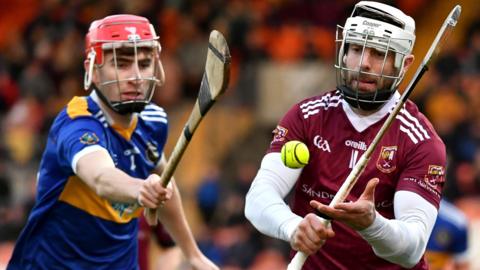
(87,80)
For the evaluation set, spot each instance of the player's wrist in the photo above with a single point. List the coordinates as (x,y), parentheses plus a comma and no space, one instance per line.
(290,226)
(376,228)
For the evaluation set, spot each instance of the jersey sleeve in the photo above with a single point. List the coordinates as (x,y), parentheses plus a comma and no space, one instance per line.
(460,242)
(291,127)
(78,135)
(424,171)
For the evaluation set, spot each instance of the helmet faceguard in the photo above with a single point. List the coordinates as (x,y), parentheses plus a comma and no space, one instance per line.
(384,29)
(129,47)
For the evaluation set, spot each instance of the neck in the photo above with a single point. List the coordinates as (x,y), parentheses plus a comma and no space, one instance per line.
(363,112)
(113,118)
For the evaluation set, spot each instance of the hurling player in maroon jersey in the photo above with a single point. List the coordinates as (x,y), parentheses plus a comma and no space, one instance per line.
(388,216)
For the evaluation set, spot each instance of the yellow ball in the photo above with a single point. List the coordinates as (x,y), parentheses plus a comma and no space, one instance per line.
(295,154)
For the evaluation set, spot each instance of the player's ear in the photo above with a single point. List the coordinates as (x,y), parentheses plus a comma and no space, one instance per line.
(408,62)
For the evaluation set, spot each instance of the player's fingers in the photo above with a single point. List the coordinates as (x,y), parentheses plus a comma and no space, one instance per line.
(313,239)
(153,181)
(302,240)
(163,193)
(160,192)
(146,195)
(369,192)
(304,244)
(348,207)
(326,210)
(166,193)
(146,201)
(321,229)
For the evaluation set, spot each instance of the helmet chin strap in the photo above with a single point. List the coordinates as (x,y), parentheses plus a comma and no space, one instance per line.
(122,108)
(365,101)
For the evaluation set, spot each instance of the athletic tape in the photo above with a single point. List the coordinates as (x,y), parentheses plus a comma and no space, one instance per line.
(186,132)
(218,54)
(205,100)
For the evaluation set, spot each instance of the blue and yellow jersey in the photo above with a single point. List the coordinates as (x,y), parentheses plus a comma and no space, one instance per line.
(449,238)
(70,226)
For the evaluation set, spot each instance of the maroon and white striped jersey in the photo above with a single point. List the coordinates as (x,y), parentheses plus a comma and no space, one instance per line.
(410,157)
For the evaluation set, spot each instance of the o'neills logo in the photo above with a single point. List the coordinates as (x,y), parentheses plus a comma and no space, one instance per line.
(361,145)
(372,24)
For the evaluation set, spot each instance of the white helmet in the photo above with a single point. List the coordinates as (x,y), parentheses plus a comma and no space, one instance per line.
(379,26)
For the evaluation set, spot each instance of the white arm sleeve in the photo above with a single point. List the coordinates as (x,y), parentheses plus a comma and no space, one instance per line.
(264,205)
(402,240)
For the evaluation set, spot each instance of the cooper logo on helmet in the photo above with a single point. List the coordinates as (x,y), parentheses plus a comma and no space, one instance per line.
(372,24)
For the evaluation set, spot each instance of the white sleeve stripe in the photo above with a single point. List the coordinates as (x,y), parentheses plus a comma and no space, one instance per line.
(411,126)
(415,120)
(154,107)
(151,113)
(410,134)
(83,152)
(330,103)
(154,119)
(319,102)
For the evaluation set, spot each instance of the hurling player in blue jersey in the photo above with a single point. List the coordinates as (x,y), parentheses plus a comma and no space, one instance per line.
(447,247)
(103,155)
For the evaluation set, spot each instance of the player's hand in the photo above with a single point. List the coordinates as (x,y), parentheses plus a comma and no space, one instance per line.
(202,263)
(152,194)
(310,235)
(358,215)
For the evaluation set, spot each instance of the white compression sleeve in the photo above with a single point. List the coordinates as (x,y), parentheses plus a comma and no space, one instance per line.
(264,206)
(403,240)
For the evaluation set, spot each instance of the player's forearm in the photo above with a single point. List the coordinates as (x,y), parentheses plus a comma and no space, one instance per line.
(402,240)
(173,218)
(115,185)
(98,171)
(269,214)
(264,206)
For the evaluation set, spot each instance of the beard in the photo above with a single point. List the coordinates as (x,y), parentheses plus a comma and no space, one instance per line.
(366,83)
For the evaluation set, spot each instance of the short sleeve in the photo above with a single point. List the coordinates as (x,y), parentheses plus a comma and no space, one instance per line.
(424,171)
(78,135)
(460,242)
(290,127)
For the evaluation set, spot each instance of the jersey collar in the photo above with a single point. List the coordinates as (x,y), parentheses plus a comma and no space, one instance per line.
(124,132)
(362,122)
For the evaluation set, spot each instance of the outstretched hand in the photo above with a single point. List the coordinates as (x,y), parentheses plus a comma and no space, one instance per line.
(358,215)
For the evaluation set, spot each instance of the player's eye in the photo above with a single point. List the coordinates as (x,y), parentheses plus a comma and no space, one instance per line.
(378,53)
(355,48)
(122,64)
(145,63)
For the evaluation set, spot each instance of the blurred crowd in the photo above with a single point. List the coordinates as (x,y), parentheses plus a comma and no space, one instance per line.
(41,68)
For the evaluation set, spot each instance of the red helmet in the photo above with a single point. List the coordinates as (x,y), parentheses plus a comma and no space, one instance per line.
(118,28)
(122,31)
